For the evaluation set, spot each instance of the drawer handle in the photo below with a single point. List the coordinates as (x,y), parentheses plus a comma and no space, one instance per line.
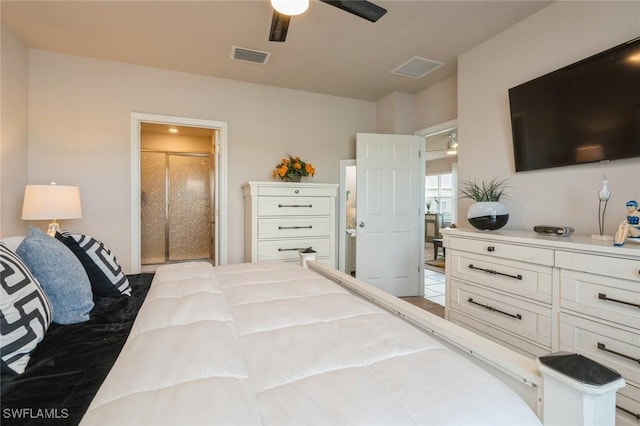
(631,413)
(295,205)
(491,271)
(295,249)
(603,296)
(295,227)
(491,308)
(491,249)
(603,347)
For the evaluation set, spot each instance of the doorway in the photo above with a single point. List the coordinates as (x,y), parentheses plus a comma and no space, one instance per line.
(440,202)
(347,218)
(441,156)
(217,222)
(176,194)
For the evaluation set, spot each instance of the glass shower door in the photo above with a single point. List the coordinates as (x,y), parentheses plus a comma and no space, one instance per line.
(153,207)
(176,207)
(189,235)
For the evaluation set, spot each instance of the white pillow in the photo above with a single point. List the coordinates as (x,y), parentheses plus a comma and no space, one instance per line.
(26,310)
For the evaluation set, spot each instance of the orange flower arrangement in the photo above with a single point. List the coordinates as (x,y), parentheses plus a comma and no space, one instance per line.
(293,168)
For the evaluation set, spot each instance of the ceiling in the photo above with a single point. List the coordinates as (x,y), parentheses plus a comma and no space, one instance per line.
(327,50)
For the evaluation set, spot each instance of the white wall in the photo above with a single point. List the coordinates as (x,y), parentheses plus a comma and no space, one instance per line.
(558,35)
(13,134)
(395,114)
(437,104)
(79,133)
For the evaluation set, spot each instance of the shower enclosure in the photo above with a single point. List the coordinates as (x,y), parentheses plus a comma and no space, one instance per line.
(176,212)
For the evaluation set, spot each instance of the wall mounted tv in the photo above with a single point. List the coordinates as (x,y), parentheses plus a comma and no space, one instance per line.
(583,113)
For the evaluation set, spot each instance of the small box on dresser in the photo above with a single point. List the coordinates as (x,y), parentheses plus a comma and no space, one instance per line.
(282,218)
(539,294)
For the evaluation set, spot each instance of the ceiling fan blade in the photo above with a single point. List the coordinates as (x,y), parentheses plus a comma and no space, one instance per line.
(361,8)
(279,27)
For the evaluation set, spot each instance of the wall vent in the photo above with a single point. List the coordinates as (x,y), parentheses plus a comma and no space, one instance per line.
(249,55)
(417,67)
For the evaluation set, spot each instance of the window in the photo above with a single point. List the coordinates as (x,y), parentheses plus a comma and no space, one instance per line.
(438,195)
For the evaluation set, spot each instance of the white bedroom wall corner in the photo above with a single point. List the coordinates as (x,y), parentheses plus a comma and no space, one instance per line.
(396,114)
(14,170)
(437,104)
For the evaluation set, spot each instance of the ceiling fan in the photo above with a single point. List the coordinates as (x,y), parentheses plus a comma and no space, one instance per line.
(282,15)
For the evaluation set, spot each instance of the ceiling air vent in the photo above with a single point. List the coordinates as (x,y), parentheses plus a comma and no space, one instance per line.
(417,67)
(250,55)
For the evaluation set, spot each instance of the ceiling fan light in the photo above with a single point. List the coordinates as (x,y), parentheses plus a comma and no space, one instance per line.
(290,7)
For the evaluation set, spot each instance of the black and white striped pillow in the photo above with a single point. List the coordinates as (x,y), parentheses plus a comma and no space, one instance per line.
(104,271)
(26,312)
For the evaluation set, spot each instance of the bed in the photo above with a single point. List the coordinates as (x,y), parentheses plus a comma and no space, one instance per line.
(248,344)
(269,343)
(277,344)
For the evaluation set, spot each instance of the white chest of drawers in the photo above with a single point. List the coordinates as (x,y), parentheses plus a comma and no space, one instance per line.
(502,291)
(281,218)
(539,294)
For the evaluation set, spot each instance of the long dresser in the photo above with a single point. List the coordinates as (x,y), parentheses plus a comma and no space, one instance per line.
(539,294)
(282,218)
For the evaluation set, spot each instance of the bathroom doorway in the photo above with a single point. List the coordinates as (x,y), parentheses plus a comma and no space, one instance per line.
(193,160)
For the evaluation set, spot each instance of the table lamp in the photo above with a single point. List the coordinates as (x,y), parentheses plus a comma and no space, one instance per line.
(51,202)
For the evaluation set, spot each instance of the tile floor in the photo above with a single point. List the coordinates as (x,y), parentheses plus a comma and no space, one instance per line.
(433,277)
(434,286)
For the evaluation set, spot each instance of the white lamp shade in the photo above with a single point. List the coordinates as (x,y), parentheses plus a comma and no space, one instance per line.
(290,7)
(47,202)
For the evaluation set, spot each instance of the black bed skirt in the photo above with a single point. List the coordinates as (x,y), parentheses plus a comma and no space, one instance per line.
(69,365)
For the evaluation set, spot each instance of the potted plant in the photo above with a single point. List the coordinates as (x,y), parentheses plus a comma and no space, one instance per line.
(487,213)
(292,169)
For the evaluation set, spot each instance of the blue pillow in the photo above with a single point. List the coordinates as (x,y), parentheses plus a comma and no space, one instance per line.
(61,275)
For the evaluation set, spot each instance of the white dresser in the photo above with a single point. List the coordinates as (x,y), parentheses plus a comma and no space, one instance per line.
(539,294)
(282,218)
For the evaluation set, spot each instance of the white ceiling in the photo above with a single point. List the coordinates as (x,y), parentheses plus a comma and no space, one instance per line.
(327,50)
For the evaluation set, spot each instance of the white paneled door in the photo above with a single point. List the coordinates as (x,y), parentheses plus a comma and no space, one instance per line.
(390,213)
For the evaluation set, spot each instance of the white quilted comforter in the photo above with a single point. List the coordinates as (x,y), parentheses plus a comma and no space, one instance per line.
(275,344)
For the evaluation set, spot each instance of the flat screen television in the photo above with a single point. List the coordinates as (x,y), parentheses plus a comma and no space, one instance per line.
(583,113)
